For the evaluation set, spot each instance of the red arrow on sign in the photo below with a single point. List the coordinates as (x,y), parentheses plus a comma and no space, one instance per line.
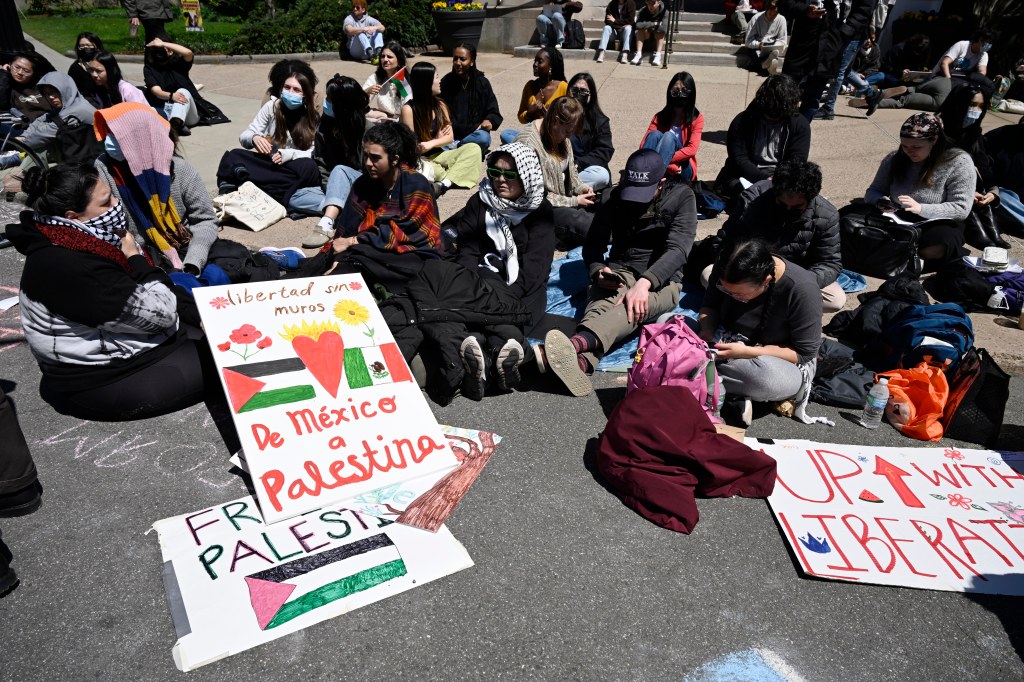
(894,475)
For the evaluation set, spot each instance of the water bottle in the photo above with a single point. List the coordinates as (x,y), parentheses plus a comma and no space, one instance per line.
(874,406)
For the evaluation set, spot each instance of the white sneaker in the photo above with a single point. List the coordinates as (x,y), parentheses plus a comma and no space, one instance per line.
(657,59)
(624,57)
(636,57)
(600,56)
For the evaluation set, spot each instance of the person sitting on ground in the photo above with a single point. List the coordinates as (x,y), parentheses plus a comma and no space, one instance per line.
(170,90)
(165,201)
(788,212)
(279,73)
(651,225)
(767,36)
(929,179)
(551,20)
(769,131)
(19,80)
(427,116)
(739,13)
(962,116)
(905,58)
(112,338)
(111,87)
(763,317)
(68,109)
(675,130)
(967,60)
(277,146)
(572,198)
(592,144)
(548,84)
(389,226)
(651,22)
(1016,89)
(365,34)
(87,46)
(505,242)
(338,152)
(866,68)
(1007,146)
(470,100)
(387,87)
(619,21)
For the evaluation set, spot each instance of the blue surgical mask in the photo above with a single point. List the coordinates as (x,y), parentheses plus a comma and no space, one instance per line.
(291,100)
(328,109)
(971,117)
(986,47)
(112,148)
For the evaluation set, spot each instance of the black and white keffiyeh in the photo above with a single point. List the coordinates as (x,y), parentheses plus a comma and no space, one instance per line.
(502,214)
(107,227)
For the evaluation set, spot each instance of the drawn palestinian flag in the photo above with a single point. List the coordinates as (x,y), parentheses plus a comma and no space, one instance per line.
(355,567)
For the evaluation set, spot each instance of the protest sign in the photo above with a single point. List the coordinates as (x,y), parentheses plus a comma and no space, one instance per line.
(234,582)
(192,14)
(324,403)
(931,518)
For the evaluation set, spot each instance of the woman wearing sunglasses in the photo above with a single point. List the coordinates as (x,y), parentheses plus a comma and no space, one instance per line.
(762,315)
(592,144)
(675,130)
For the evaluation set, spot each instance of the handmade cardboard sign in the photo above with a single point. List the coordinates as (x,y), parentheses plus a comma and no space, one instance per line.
(234,582)
(932,518)
(324,403)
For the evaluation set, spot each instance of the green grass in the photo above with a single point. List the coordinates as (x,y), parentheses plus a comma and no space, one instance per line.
(59,31)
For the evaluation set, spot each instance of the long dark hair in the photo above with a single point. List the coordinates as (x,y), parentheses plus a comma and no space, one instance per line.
(350,104)
(63,188)
(299,123)
(690,112)
(752,262)
(427,108)
(114,77)
(397,140)
(557,63)
(953,111)
(591,110)
(92,38)
(395,48)
(158,56)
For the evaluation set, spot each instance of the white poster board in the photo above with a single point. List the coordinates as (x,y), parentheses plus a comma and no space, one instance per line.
(234,582)
(932,518)
(324,403)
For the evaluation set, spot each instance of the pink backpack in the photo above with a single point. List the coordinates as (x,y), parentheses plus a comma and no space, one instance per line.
(671,354)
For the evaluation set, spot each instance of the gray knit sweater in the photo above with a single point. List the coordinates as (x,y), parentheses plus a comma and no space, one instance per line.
(951,194)
(193,203)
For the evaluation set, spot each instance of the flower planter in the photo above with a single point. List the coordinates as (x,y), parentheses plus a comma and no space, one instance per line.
(458,27)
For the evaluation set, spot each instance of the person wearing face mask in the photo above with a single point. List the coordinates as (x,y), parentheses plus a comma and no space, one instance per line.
(277,146)
(427,116)
(87,46)
(592,145)
(675,130)
(651,225)
(968,60)
(113,339)
(962,114)
(788,212)
(769,131)
(470,99)
(170,90)
(762,314)
(166,203)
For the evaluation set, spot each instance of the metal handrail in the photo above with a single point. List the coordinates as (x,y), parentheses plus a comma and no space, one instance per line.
(675,12)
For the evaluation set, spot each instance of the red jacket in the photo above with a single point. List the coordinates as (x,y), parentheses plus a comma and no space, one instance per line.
(691,141)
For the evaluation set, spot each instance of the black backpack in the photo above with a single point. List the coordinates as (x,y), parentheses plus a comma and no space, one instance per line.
(76,141)
(575,38)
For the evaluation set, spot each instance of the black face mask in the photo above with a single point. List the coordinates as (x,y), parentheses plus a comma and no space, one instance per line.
(86,54)
(677,100)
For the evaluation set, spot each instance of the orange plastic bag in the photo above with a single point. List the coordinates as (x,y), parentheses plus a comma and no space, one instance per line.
(917,399)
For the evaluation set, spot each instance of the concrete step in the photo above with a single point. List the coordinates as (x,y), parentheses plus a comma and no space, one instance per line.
(682,54)
(680,36)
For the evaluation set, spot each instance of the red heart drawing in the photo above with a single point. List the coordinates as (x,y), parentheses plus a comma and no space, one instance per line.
(324,358)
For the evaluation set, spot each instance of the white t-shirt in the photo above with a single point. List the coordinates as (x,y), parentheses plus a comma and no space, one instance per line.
(365,22)
(964,61)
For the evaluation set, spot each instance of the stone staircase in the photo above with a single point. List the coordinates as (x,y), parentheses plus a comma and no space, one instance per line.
(701,39)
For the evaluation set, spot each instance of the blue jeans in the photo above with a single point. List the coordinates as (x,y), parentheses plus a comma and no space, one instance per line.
(595,177)
(313,200)
(1011,202)
(862,85)
(844,65)
(361,47)
(509,135)
(188,113)
(544,25)
(666,144)
(623,33)
(477,137)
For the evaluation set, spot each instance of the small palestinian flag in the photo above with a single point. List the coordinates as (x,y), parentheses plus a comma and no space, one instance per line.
(399,79)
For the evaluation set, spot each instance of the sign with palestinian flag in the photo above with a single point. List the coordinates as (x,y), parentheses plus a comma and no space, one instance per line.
(234,582)
(324,403)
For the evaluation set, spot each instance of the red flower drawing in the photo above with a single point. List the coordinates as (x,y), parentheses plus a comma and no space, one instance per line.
(953,454)
(355,286)
(220,302)
(224,346)
(245,334)
(958,500)
(264,342)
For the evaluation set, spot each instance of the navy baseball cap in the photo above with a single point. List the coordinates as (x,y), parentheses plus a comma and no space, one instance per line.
(644,170)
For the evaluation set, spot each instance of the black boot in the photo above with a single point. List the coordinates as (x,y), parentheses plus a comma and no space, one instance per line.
(974,231)
(989,226)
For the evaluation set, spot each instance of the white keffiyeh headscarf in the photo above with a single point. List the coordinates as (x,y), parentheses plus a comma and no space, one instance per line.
(502,214)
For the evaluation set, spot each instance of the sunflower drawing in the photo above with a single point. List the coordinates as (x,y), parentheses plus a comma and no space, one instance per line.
(354,314)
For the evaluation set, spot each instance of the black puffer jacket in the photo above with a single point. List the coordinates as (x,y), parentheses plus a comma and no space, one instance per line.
(811,241)
(877,309)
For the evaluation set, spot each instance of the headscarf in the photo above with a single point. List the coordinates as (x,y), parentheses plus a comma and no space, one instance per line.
(924,126)
(143,179)
(502,214)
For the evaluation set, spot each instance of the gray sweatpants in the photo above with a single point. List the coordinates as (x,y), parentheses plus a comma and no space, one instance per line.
(762,379)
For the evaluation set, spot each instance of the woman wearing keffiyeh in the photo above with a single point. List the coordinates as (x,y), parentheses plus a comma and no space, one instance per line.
(167,203)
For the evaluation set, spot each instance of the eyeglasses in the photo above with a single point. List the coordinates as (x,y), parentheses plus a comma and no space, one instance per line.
(680,92)
(21,69)
(738,298)
(502,173)
(580,93)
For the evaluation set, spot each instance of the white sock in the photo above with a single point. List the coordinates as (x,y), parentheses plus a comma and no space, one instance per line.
(446,182)
(326,224)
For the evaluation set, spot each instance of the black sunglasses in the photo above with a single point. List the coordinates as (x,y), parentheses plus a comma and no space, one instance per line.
(497,173)
(580,93)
